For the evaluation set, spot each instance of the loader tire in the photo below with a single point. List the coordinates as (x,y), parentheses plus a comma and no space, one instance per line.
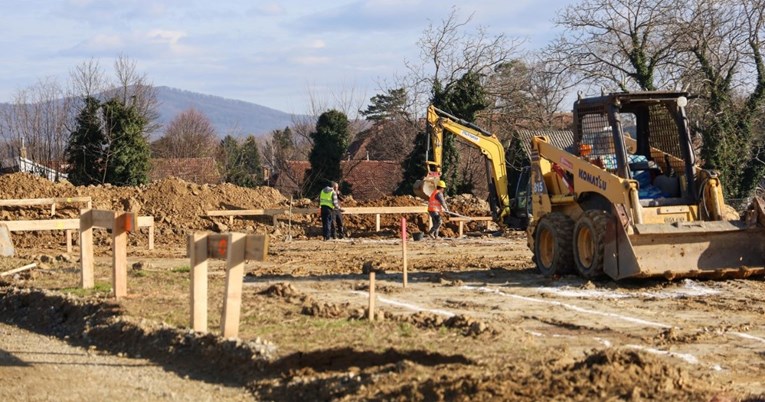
(553,245)
(589,232)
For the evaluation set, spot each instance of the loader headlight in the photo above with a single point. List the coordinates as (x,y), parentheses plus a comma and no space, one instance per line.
(682,101)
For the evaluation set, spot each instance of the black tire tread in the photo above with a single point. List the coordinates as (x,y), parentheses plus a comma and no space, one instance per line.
(562,227)
(598,221)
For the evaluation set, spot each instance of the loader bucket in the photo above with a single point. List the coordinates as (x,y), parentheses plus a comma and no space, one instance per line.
(425,187)
(685,249)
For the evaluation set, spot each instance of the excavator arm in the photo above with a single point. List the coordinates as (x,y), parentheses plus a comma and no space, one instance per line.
(470,134)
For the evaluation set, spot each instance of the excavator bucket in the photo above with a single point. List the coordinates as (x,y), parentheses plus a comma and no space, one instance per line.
(425,187)
(717,249)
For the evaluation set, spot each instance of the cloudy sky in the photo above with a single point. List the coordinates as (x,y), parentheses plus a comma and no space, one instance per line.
(276,54)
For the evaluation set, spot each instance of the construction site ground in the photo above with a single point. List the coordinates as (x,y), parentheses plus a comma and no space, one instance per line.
(476,321)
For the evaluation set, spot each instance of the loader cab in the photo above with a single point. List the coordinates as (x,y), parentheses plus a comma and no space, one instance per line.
(642,137)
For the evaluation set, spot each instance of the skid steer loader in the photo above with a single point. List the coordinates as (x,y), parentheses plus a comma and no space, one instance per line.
(630,201)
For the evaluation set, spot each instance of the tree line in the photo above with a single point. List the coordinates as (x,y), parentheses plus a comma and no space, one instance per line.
(710,48)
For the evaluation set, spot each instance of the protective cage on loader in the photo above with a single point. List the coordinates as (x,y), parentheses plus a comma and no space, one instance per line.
(630,200)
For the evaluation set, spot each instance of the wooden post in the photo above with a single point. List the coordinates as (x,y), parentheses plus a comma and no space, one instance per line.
(371,295)
(377,222)
(197,250)
(403,248)
(68,241)
(231,220)
(462,226)
(53,209)
(86,249)
(232,304)
(151,236)
(119,254)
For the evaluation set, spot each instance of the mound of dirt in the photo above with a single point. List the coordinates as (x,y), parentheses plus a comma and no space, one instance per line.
(178,206)
(102,325)
(611,374)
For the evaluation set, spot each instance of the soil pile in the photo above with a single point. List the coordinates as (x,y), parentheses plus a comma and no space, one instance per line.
(178,206)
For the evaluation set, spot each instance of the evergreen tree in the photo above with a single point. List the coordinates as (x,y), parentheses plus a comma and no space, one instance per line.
(241,163)
(250,168)
(463,99)
(386,106)
(84,150)
(414,165)
(330,143)
(129,154)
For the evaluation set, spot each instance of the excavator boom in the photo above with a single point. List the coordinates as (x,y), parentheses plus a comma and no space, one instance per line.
(472,135)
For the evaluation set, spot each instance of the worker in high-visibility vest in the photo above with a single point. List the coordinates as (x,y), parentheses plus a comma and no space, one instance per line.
(329,202)
(436,205)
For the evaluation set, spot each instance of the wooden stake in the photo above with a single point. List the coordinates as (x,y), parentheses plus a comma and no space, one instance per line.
(289,224)
(86,249)
(19,269)
(68,241)
(232,305)
(119,255)
(377,222)
(403,248)
(198,255)
(371,296)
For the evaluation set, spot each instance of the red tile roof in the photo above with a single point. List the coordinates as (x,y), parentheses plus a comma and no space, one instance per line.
(369,180)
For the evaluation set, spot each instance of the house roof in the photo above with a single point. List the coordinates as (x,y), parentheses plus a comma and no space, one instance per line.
(369,179)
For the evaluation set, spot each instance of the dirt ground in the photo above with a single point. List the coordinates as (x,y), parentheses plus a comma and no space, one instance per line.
(476,322)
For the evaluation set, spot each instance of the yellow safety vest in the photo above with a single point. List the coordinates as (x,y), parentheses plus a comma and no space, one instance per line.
(325,199)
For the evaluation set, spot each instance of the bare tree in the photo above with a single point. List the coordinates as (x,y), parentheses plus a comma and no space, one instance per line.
(618,44)
(722,42)
(38,119)
(189,135)
(448,51)
(135,89)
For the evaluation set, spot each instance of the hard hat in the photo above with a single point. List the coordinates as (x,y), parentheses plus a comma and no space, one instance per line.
(441,184)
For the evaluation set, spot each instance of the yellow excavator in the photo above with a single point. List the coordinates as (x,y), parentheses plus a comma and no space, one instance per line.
(439,121)
(631,201)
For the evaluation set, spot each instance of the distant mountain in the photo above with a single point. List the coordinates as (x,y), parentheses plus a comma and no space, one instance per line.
(228,116)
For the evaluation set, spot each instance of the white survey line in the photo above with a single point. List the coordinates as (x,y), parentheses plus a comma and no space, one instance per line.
(747,336)
(407,305)
(688,358)
(569,306)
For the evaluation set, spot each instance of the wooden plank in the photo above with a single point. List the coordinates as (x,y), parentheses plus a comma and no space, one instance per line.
(470,218)
(403,250)
(232,304)
(42,224)
(43,201)
(247,212)
(197,251)
(86,249)
(147,221)
(103,219)
(385,210)
(120,227)
(307,211)
(19,269)
(256,246)
(69,241)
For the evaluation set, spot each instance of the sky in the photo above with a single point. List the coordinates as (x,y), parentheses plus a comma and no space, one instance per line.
(279,54)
